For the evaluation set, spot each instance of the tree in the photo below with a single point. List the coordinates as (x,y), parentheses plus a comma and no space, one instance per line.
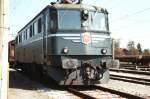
(139,48)
(125,51)
(130,45)
(146,52)
(118,50)
(117,43)
(116,46)
(131,48)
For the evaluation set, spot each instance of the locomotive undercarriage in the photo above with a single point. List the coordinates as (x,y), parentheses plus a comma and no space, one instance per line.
(79,70)
(72,70)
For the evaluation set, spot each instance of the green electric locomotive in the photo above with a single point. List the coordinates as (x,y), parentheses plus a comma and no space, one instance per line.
(70,42)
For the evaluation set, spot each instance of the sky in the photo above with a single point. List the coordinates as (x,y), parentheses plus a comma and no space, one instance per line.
(129,19)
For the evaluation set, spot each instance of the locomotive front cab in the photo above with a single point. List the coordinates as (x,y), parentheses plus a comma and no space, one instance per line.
(84,27)
(80,42)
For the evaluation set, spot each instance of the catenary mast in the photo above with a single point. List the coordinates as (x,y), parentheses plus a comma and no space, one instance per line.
(4,30)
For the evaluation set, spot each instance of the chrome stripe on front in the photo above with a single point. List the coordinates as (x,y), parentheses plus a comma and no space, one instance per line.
(69,35)
(73,37)
(77,37)
(99,36)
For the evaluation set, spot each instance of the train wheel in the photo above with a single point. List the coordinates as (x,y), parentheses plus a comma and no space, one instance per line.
(28,69)
(39,71)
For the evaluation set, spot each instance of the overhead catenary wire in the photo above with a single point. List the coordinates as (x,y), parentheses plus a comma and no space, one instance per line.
(14,6)
(131,15)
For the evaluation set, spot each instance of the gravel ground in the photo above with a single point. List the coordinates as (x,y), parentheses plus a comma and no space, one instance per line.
(102,94)
(25,94)
(21,87)
(136,89)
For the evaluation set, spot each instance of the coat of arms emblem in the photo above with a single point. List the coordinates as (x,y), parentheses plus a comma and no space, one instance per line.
(86,38)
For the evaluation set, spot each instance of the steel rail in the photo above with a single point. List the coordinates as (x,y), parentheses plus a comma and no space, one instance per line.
(120,93)
(131,71)
(79,94)
(129,80)
(129,77)
(85,96)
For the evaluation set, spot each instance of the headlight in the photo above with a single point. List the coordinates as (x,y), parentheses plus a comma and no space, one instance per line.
(85,15)
(104,51)
(65,50)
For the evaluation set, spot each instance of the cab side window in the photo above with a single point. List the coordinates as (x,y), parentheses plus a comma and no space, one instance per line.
(53,20)
(35,28)
(31,31)
(16,40)
(20,38)
(39,25)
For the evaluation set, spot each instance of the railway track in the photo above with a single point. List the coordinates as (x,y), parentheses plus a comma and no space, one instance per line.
(131,71)
(120,93)
(131,79)
(98,92)
(135,67)
(80,94)
(88,92)
(137,77)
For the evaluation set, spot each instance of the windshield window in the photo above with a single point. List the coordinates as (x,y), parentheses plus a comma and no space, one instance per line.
(98,21)
(69,19)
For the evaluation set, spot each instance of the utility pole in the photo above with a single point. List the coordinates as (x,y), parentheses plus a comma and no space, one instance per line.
(4,30)
(113,49)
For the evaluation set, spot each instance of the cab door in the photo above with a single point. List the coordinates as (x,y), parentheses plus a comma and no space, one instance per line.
(45,34)
(52,30)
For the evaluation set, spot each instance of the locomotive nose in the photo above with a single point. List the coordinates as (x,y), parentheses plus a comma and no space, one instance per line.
(92,72)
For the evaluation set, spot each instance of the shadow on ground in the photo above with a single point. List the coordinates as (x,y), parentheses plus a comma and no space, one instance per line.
(19,80)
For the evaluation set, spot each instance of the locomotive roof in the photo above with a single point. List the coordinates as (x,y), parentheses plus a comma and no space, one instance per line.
(66,6)
(76,6)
